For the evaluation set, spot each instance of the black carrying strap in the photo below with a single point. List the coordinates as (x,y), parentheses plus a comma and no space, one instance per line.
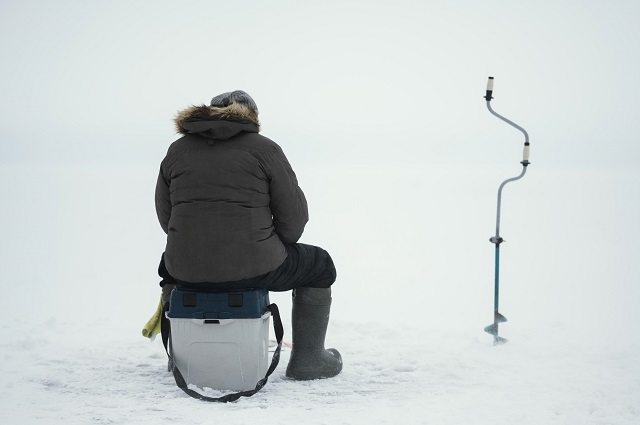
(180,381)
(165,327)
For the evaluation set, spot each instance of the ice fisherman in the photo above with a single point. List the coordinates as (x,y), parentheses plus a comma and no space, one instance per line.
(233,212)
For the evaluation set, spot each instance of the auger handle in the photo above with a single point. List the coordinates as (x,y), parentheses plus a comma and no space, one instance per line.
(525,154)
(489,89)
(488,96)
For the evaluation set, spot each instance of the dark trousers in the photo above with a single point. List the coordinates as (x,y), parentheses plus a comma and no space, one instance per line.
(306,266)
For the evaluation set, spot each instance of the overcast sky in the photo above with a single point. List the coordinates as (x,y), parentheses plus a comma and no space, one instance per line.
(94,81)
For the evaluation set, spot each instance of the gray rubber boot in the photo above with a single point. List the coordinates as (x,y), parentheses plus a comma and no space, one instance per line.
(309,321)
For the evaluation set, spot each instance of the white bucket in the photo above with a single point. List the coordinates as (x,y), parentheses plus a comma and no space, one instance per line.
(222,354)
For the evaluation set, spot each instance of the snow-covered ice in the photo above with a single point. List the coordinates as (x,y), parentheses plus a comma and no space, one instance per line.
(393,373)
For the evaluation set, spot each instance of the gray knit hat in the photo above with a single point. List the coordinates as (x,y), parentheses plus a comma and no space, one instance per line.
(238,96)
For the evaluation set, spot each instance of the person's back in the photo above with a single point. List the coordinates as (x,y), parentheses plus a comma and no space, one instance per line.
(227,182)
(233,212)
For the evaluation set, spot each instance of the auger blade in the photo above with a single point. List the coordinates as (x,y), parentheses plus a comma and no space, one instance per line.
(498,340)
(492,329)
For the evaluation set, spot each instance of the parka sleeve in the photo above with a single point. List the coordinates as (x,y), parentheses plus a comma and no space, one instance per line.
(288,203)
(163,201)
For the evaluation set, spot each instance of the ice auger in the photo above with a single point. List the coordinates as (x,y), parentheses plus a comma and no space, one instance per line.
(497,239)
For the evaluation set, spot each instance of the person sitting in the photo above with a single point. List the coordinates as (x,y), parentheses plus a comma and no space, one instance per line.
(233,212)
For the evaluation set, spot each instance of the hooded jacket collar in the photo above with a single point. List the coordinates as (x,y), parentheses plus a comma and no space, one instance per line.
(217,123)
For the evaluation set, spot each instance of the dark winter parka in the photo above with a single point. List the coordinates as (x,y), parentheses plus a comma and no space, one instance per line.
(226,197)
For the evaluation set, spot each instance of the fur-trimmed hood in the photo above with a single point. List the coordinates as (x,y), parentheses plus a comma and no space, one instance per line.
(217,122)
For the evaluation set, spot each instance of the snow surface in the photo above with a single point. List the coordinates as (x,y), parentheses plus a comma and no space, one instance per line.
(393,374)
(81,246)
